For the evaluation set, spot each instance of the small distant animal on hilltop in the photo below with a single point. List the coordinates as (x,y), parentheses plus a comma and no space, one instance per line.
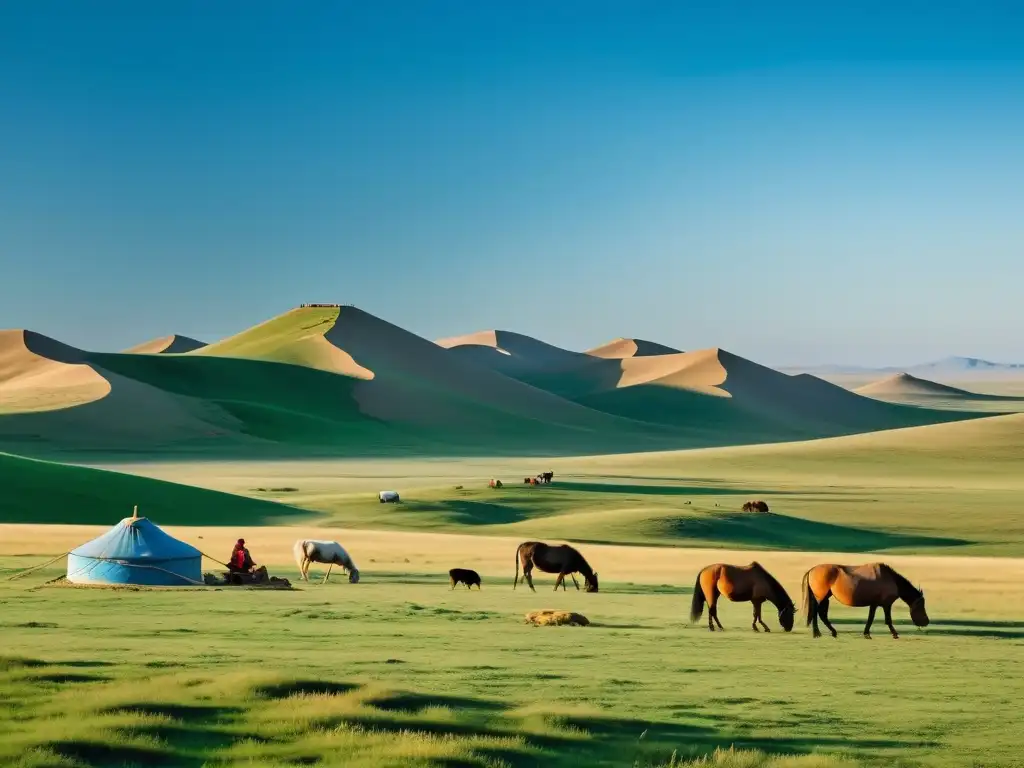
(547,477)
(495,483)
(756,506)
(464,576)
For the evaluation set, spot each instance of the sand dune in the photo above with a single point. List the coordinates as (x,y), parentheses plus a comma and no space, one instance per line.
(167,345)
(337,378)
(701,371)
(57,393)
(419,381)
(512,352)
(297,337)
(38,373)
(622,348)
(904,385)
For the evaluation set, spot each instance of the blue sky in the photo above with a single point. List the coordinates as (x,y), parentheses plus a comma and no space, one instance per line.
(795,183)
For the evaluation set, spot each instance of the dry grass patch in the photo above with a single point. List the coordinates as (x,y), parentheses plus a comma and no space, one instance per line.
(549,618)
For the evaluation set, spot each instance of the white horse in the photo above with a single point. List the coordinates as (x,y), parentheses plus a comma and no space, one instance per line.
(329,552)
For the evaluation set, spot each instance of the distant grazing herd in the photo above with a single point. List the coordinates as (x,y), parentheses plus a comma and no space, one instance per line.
(871,586)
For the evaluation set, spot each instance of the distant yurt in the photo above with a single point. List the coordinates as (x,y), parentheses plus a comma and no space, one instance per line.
(388,497)
(135,551)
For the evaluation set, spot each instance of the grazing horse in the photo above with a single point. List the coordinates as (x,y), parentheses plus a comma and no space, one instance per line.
(871,585)
(740,584)
(755,506)
(561,559)
(330,552)
(547,476)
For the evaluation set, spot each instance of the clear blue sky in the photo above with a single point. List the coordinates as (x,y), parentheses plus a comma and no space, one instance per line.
(798,183)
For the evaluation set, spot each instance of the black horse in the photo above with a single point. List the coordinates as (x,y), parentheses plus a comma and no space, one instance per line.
(561,559)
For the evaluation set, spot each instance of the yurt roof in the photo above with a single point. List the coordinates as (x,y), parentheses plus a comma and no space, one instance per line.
(136,538)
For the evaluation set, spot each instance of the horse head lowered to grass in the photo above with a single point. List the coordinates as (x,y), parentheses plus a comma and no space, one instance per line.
(740,584)
(561,559)
(870,585)
(331,553)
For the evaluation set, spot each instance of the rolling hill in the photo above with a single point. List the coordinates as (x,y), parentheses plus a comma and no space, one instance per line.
(622,348)
(167,345)
(46,492)
(340,381)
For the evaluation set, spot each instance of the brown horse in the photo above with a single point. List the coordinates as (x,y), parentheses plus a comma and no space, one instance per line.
(561,559)
(871,585)
(740,584)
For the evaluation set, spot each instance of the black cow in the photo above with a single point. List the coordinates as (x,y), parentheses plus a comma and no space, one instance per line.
(464,575)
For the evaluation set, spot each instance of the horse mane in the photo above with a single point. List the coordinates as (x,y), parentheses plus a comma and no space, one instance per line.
(779,589)
(585,568)
(903,584)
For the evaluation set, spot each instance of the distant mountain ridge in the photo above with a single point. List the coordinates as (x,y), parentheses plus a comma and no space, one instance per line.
(948,365)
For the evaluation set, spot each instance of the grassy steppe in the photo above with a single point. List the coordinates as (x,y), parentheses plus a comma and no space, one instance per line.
(952,488)
(398,670)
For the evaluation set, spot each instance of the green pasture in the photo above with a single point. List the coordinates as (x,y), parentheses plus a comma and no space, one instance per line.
(950,489)
(399,670)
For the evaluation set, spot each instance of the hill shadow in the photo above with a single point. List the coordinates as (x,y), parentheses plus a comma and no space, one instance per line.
(776,531)
(659,490)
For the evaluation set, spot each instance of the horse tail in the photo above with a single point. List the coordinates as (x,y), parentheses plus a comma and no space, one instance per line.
(810,607)
(516,582)
(697,603)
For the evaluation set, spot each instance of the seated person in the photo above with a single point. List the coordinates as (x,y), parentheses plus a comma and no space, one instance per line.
(240,560)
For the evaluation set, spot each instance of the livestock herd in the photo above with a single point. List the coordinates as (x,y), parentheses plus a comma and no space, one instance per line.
(871,585)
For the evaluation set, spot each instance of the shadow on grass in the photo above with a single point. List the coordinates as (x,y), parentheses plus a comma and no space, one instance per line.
(412,703)
(187,713)
(290,688)
(774,531)
(196,732)
(639,489)
(96,753)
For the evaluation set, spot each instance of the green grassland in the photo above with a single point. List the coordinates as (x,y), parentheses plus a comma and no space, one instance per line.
(399,670)
(952,489)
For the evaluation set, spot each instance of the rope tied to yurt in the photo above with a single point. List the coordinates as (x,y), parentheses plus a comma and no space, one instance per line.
(21,573)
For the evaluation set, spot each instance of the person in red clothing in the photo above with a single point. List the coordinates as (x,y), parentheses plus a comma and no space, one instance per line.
(240,560)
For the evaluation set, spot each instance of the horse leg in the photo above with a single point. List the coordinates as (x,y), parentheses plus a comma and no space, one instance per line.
(574,581)
(528,575)
(451,580)
(757,616)
(823,612)
(328,574)
(871,618)
(720,627)
(560,580)
(887,607)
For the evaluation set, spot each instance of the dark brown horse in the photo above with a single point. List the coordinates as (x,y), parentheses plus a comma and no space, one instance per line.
(870,585)
(561,559)
(740,584)
(755,506)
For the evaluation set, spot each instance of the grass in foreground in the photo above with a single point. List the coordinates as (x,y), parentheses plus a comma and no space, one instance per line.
(398,670)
